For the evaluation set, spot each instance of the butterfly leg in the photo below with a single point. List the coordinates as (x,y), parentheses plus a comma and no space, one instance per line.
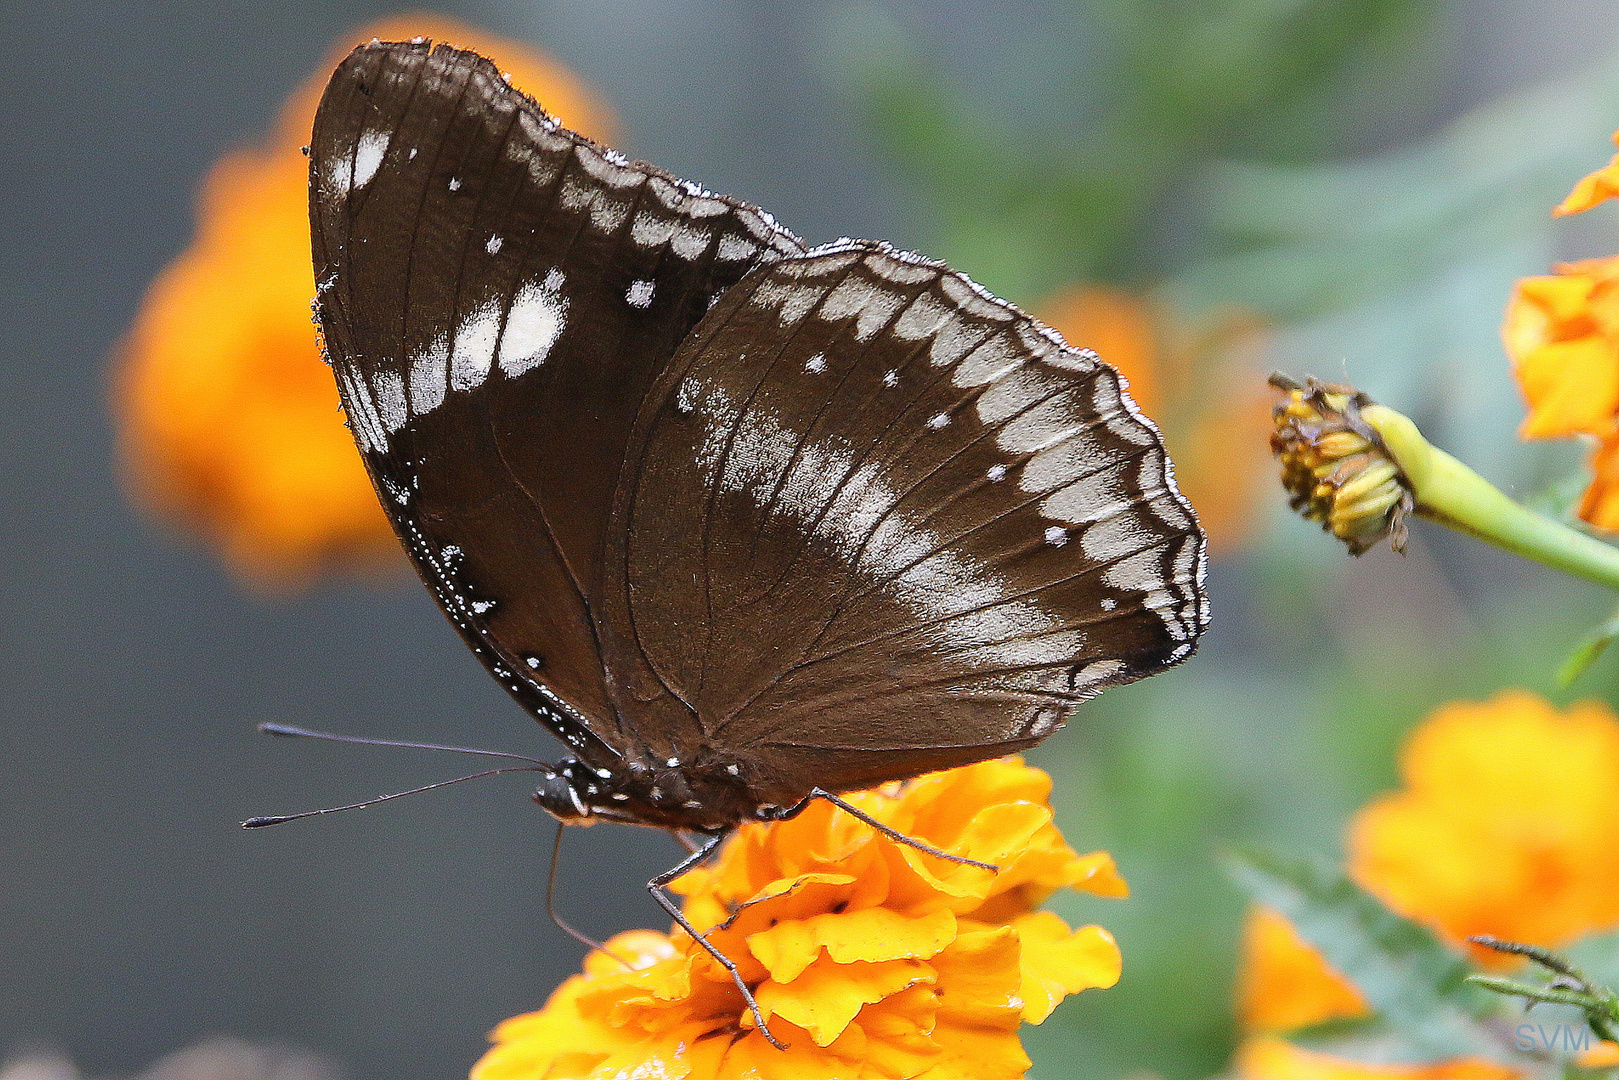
(665,901)
(887,830)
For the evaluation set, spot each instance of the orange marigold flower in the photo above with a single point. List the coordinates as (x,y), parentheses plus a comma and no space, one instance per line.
(868,957)
(1267,1057)
(229,423)
(1600,503)
(1600,185)
(1505,826)
(1562,334)
(1201,385)
(1284,984)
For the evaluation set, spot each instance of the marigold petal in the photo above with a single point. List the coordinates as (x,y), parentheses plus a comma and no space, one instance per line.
(907,1018)
(1514,785)
(870,934)
(1266,1057)
(1057,961)
(1041,870)
(1562,333)
(671,1055)
(1283,983)
(1572,388)
(558,1040)
(639,949)
(1600,504)
(982,979)
(998,834)
(895,1056)
(827,996)
(783,900)
(978,1053)
(1603,1055)
(752,1058)
(1593,189)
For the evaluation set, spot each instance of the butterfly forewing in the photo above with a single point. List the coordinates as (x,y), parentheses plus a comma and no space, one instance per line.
(904,526)
(497,294)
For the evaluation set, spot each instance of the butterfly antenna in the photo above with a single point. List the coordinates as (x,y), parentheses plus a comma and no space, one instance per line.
(259,822)
(287,731)
(562,924)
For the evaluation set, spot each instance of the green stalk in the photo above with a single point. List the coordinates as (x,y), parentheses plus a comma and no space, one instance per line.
(1449,492)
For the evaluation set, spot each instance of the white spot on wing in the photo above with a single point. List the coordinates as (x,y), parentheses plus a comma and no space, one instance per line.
(429,376)
(792,302)
(368,156)
(651,230)
(362,417)
(639,294)
(493,245)
(736,249)
(921,319)
(473,352)
(337,175)
(1116,537)
(688,240)
(537,318)
(815,364)
(390,399)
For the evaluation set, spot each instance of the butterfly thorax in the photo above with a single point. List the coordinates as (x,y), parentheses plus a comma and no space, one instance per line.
(705,796)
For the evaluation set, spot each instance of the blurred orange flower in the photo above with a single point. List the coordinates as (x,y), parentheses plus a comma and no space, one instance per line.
(229,423)
(1600,185)
(868,957)
(1506,825)
(1562,333)
(1204,388)
(1267,1057)
(1284,983)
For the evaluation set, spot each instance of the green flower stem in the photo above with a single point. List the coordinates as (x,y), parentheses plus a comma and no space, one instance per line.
(1599,1004)
(1449,492)
(1551,995)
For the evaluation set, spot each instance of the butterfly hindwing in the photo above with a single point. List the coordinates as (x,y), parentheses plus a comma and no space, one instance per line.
(905,526)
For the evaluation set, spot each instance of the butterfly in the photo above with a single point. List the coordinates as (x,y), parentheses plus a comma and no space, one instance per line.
(744,522)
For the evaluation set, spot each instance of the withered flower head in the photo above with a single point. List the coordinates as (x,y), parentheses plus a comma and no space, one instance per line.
(1335,466)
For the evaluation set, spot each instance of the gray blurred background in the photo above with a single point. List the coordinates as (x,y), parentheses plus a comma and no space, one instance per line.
(135,916)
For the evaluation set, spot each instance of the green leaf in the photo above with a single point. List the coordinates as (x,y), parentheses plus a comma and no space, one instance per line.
(1412,980)
(1589,648)
(1597,957)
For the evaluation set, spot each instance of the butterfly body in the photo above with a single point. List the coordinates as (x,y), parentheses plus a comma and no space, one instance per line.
(739,520)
